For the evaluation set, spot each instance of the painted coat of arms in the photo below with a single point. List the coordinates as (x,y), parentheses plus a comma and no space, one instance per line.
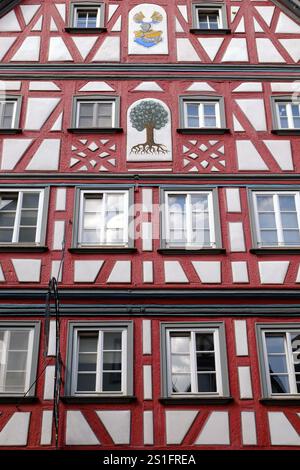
(147,36)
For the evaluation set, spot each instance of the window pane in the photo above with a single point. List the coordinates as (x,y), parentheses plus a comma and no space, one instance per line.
(287,202)
(291,237)
(180,344)
(88,343)
(87,362)
(86,382)
(280,384)
(180,363)
(205,361)
(269,237)
(207,383)
(27,235)
(15,381)
(289,220)
(28,217)
(275,343)
(6,236)
(7,219)
(19,340)
(267,220)
(112,361)
(7,115)
(265,203)
(204,342)
(91,236)
(277,363)
(181,383)
(30,200)
(112,382)
(17,360)
(113,341)
(86,112)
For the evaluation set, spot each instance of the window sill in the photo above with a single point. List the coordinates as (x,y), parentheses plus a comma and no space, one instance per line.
(196,400)
(210,31)
(94,249)
(187,251)
(98,399)
(11,131)
(17,399)
(95,130)
(23,248)
(206,130)
(73,29)
(286,131)
(293,401)
(275,251)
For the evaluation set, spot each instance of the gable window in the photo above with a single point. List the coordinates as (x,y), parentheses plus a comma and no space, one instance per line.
(203,114)
(189,219)
(86,17)
(22,216)
(195,360)
(100,358)
(209,18)
(277,218)
(280,359)
(18,358)
(9,112)
(96,113)
(286,115)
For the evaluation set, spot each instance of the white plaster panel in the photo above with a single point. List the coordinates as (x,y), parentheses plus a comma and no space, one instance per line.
(211,46)
(200,86)
(248,157)
(147,236)
(29,50)
(147,381)
(109,51)
(254,110)
(281,152)
(147,271)
(52,339)
(285,86)
(117,424)
(84,44)
(59,235)
(178,27)
(237,127)
(27,270)
(286,25)
(15,431)
(5,45)
(147,9)
(78,431)
(49,383)
(58,50)
(96,86)
(245,383)
(46,157)
(267,52)
(298,275)
(209,272)
(57,124)
(186,51)
(148,86)
(53,26)
(118,25)
(174,272)
(111,10)
(60,201)
(38,111)
(43,86)
(9,85)
(233,201)
(215,430)
(121,272)
(239,271)
(236,51)
(9,22)
(61,8)
(281,430)
(147,200)
(178,423)
(240,27)
(12,152)
(292,46)
(273,272)
(266,13)
(87,271)
(147,348)
(248,423)
(249,86)
(38,25)
(46,432)
(2,277)
(241,339)
(148,428)
(236,236)
(28,12)
(183,11)
(257,27)
(55,270)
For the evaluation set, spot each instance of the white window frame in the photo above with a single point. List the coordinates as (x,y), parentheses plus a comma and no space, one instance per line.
(289,361)
(7,334)
(87,7)
(104,193)
(99,369)
(16,229)
(207,11)
(14,115)
(278,223)
(290,118)
(95,103)
(194,386)
(189,244)
(201,113)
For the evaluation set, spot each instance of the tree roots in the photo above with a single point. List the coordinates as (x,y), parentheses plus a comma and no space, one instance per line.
(149,148)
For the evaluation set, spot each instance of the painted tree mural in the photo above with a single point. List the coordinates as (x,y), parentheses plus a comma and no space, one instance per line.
(149,115)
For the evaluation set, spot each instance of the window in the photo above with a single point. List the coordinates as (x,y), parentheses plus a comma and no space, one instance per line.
(286,113)
(9,112)
(100,358)
(189,220)
(202,112)
(22,216)
(277,218)
(104,218)
(195,360)
(87,15)
(209,17)
(96,112)
(280,359)
(18,358)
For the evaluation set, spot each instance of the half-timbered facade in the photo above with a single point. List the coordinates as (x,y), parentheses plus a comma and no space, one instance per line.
(150,163)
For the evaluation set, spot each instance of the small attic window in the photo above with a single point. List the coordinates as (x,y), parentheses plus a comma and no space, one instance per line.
(209,18)
(86,17)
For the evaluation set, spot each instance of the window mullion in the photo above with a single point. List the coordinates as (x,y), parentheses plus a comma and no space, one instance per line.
(290,116)
(290,363)
(4,358)
(124,370)
(212,234)
(18,218)
(188,217)
(103,236)
(95,114)
(39,217)
(278,219)
(126,209)
(193,362)
(99,367)
(29,359)
(201,114)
